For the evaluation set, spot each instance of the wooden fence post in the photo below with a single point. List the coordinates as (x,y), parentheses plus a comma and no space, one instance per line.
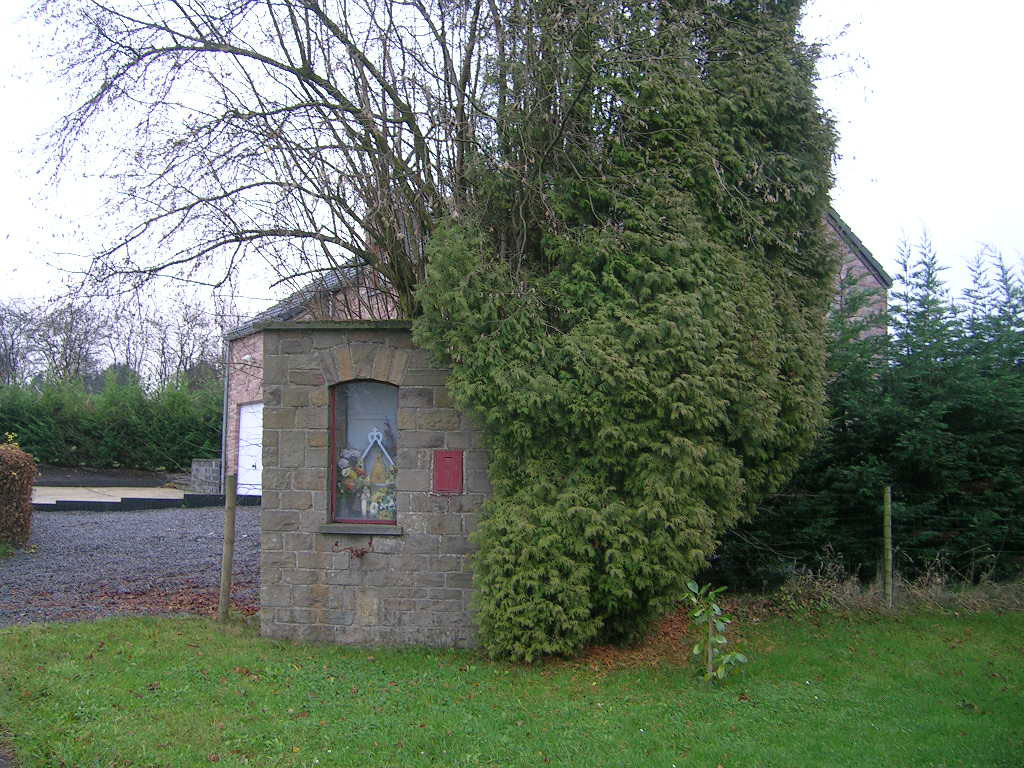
(887,543)
(230,502)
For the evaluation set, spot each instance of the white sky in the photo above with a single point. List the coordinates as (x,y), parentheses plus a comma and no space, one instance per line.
(928,105)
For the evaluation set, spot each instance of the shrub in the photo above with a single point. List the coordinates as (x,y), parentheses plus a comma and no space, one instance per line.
(17,471)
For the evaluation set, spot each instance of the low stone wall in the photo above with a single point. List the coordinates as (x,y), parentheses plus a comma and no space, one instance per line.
(205,476)
(401,584)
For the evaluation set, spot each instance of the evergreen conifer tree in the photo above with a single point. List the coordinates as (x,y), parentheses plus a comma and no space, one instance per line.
(634,303)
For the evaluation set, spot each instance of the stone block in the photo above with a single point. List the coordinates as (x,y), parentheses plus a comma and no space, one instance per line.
(418,439)
(311,560)
(320,505)
(421,544)
(409,458)
(269,575)
(317,438)
(272,596)
(467,502)
(420,358)
(272,396)
(275,370)
(443,419)
(427,578)
(477,481)
(296,343)
(407,418)
(313,378)
(296,500)
(341,599)
(316,457)
(276,559)
(470,522)
(293,615)
(381,368)
(414,480)
(428,504)
(292,449)
(342,364)
(425,377)
(457,545)
(353,635)
(276,479)
(279,417)
(311,417)
(340,561)
(299,576)
(416,397)
(270,541)
(318,396)
(299,542)
(309,479)
(399,362)
(445,563)
(457,440)
(388,546)
(446,594)
(443,398)
(367,605)
(278,520)
(271,343)
(339,618)
(296,397)
(304,596)
(459,580)
(363,357)
(328,339)
(346,578)
(328,364)
(476,459)
(271,454)
(443,524)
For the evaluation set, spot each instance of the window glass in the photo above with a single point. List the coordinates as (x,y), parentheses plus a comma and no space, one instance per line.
(366,449)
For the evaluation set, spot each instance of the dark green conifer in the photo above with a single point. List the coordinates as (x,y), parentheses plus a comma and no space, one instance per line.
(634,304)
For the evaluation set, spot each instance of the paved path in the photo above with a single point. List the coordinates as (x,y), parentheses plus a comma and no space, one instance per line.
(82,565)
(47,494)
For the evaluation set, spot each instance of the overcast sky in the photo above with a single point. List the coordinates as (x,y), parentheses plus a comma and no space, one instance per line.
(926,96)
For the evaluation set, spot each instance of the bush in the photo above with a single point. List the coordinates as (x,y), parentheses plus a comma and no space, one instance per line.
(17,471)
(121,426)
(936,410)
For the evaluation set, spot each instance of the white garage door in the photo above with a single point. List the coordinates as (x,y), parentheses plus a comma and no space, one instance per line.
(250,449)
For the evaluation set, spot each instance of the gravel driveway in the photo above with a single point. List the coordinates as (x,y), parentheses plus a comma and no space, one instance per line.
(81,565)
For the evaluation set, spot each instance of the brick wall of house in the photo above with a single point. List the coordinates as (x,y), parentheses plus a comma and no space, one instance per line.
(347,583)
(245,385)
(853,266)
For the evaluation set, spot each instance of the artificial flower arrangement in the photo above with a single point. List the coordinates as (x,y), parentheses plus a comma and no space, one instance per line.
(370,495)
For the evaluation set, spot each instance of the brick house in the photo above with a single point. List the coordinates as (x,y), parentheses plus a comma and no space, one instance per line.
(371,480)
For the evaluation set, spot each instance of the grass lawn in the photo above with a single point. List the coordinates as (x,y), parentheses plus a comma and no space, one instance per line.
(915,690)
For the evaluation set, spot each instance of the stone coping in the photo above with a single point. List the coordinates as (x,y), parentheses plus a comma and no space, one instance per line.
(361,529)
(339,325)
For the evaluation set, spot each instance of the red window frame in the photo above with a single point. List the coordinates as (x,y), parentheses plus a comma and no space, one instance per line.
(332,456)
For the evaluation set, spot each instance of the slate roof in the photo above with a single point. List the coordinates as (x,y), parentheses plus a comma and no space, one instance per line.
(291,307)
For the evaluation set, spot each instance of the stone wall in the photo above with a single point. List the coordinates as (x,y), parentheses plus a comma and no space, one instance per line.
(205,476)
(408,583)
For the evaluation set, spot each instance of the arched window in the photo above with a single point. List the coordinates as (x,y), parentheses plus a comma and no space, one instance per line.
(364,452)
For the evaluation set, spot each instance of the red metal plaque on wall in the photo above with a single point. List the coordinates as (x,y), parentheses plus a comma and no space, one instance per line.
(447,471)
